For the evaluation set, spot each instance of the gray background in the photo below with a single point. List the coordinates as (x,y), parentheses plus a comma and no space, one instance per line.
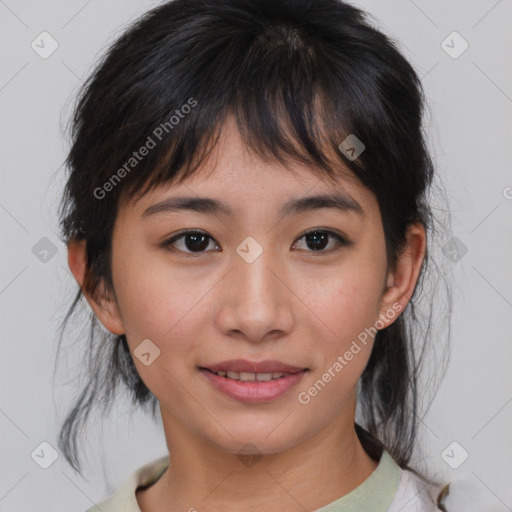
(469,122)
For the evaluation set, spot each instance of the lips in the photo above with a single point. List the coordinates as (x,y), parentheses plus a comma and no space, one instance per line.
(253,386)
(244,366)
(251,376)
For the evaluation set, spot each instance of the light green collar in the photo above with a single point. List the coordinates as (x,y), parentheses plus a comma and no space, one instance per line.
(376,493)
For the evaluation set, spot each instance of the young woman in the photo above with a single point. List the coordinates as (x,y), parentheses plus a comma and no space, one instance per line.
(246,214)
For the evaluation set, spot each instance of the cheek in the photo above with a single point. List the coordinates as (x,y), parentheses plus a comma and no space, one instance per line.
(347,312)
(348,301)
(148,304)
(160,308)
(346,308)
(163,305)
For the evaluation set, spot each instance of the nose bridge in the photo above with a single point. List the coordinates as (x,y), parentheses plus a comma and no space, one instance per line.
(254,260)
(256,279)
(254,299)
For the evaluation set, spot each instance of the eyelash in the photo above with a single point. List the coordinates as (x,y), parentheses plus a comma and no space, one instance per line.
(341,242)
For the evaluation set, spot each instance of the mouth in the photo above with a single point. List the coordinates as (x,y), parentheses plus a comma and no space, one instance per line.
(244,366)
(251,376)
(251,382)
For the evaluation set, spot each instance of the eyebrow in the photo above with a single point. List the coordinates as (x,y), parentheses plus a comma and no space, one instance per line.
(339,201)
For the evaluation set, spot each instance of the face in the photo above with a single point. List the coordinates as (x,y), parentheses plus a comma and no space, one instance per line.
(297,289)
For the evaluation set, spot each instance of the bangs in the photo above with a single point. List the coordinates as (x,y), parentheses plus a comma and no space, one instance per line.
(276,90)
(295,93)
(154,108)
(269,137)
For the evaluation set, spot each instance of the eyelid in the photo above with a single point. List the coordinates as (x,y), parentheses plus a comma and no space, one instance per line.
(329,231)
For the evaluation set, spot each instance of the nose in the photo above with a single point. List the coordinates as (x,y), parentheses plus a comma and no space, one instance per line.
(254,301)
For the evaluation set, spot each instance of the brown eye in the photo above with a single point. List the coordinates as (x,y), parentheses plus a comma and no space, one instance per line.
(190,242)
(318,239)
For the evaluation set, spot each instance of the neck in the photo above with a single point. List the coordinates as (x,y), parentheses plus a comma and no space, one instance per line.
(308,476)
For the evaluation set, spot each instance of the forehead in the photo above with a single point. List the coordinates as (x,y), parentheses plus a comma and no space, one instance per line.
(238,178)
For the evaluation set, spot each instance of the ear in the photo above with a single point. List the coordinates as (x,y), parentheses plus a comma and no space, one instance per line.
(402,281)
(104,307)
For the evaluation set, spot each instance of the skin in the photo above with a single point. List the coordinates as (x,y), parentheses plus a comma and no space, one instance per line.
(290,304)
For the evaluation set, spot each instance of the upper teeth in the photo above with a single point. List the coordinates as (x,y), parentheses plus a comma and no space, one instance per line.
(250,376)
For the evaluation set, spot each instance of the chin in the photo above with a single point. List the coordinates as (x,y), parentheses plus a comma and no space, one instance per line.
(260,443)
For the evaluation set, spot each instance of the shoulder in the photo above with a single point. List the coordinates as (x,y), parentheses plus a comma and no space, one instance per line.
(416,495)
(124,498)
